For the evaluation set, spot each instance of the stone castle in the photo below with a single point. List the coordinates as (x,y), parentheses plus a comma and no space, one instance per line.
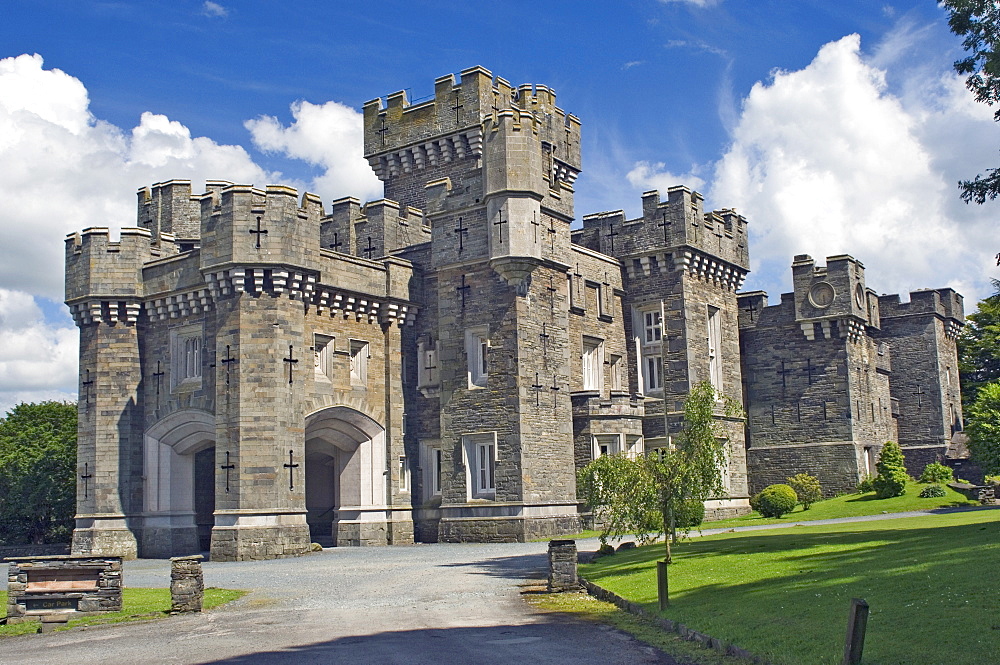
(258,372)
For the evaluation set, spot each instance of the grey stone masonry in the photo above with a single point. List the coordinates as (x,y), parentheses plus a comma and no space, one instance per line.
(187,584)
(44,585)
(562,566)
(922,334)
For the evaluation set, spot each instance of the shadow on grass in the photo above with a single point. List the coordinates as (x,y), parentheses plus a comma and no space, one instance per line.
(787,594)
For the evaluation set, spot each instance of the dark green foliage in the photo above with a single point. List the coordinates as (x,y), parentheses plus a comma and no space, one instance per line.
(979,348)
(774,500)
(689,514)
(932,492)
(935,472)
(978,23)
(807,488)
(37,473)
(867,484)
(984,428)
(891,477)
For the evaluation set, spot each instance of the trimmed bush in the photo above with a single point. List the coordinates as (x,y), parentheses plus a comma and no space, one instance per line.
(775,500)
(867,484)
(807,488)
(689,514)
(891,478)
(932,492)
(935,472)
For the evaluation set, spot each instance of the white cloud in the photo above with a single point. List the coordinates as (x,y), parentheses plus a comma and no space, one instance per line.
(329,136)
(62,169)
(825,160)
(214,9)
(37,360)
(648,176)
(696,3)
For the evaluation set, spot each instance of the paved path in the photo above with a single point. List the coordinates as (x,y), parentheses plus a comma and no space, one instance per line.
(435,604)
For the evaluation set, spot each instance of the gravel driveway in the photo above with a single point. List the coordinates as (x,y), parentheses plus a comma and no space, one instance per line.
(412,604)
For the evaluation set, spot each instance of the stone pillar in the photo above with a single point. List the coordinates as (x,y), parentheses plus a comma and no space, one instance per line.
(562,566)
(187,584)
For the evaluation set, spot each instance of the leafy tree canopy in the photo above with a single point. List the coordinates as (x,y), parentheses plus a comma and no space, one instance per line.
(37,473)
(977,22)
(984,428)
(979,347)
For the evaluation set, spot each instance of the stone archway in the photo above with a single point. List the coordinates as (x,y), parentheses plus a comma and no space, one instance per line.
(345,477)
(170,450)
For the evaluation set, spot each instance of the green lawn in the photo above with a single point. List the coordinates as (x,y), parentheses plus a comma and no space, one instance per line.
(785,594)
(137,605)
(854,505)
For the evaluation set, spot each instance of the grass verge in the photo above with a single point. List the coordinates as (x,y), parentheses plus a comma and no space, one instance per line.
(784,594)
(586,607)
(854,505)
(137,605)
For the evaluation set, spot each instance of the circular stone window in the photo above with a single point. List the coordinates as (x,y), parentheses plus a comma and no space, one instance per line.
(859,296)
(821,295)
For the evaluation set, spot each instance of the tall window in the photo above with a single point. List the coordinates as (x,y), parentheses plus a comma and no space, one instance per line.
(480,455)
(593,363)
(650,326)
(323,346)
(359,362)
(437,463)
(185,355)
(404,475)
(477,347)
(715,347)
(617,380)
(652,370)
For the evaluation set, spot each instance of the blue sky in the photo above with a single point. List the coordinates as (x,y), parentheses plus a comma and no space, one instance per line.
(833,126)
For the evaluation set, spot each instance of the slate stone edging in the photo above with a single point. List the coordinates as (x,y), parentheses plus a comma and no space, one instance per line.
(686,633)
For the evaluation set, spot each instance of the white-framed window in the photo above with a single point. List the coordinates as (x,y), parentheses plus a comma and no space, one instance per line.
(652,372)
(185,355)
(715,347)
(606,444)
(593,363)
(652,327)
(617,379)
(480,456)
(477,348)
(404,475)
(324,347)
(360,353)
(437,466)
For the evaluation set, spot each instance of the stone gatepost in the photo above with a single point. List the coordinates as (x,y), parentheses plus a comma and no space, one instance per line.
(187,584)
(562,566)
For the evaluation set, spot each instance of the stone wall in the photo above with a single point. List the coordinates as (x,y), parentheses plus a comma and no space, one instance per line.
(55,584)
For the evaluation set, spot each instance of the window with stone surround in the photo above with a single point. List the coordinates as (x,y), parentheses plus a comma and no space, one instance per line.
(324,347)
(606,444)
(617,380)
(360,353)
(427,370)
(185,356)
(593,363)
(715,347)
(404,475)
(477,347)
(480,462)
(649,323)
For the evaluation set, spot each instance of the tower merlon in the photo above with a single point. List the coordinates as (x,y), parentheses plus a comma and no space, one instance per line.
(944,302)
(98,267)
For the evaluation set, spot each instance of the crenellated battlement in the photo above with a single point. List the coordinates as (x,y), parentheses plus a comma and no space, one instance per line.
(945,303)
(169,208)
(673,231)
(98,267)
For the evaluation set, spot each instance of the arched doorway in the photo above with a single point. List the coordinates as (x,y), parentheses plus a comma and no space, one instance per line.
(179,484)
(345,477)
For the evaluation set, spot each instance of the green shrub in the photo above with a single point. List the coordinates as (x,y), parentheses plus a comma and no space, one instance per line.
(775,500)
(807,488)
(891,478)
(932,492)
(867,484)
(689,514)
(935,472)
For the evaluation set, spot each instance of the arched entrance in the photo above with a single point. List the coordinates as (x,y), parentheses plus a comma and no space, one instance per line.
(179,484)
(345,477)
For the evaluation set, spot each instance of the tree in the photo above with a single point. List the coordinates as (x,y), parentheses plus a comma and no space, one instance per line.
(979,347)
(891,478)
(984,428)
(37,473)
(978,23)
(642,495)
(807,489)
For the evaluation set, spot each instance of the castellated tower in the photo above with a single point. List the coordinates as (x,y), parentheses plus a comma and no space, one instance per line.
(682,268)
(817,377)
(240,384)
(925,387)
(499,347)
